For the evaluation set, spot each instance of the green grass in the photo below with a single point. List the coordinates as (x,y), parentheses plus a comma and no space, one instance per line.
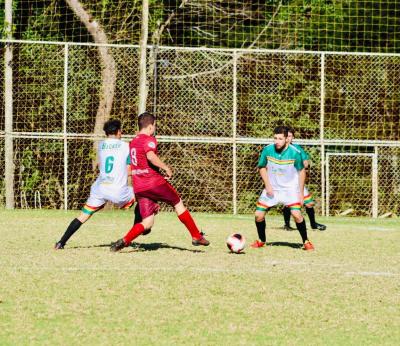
(167,292)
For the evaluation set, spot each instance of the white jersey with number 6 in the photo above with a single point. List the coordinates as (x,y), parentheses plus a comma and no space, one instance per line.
(113,156)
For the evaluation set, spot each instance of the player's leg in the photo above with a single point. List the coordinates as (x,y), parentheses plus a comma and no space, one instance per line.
(309,204)
(186,218)
(94,203)
(166,193)
(261,226)
(264,203)
(301,226)
(286,217)
(148,209)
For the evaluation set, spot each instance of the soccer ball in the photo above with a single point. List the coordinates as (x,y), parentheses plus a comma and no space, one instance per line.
(236,242)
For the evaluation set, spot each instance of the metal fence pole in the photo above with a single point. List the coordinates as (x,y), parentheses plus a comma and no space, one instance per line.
(321,134)
(234,129)
(8,121)
(143,57)
(375,182)
(66,55)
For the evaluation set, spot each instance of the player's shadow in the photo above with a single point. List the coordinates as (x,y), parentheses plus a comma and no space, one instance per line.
(136,247)
(89,246)
(285,243)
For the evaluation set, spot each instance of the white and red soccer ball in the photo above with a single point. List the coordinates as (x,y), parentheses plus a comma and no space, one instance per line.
(236,242)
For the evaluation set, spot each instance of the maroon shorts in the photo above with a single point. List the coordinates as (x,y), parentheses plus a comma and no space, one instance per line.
(148,199)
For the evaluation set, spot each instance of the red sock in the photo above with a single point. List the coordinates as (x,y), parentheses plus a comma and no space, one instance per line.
(188,221)
(134,232)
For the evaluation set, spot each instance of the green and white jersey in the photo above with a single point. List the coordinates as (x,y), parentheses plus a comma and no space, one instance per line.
(113,156)
(303,153)
(283,167)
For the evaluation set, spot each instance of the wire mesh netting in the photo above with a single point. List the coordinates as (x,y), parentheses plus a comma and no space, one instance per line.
(350,184)
(389,181)
(39,170)
(2,180)
(272,87)
(351,25)
(194,93)
(362,97)
(216,110)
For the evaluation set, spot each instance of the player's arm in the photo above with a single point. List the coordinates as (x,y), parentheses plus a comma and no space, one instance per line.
(156,161)
(302,179)
(129,171)
(262,166)
(299,165)
(265,178)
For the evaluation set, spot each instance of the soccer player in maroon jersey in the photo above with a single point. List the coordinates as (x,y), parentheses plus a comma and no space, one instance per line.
(151,187)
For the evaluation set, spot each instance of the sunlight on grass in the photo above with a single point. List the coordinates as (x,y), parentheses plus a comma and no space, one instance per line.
(164,291)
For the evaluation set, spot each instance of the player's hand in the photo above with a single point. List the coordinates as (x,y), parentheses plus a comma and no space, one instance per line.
(270,192)
(168,173)
(301,198)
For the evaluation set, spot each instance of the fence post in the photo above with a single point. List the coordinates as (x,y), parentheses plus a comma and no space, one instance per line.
(328,188)
(66,55)
(8,103)
(375,182)
(142,57)
(321,134)
(234,129)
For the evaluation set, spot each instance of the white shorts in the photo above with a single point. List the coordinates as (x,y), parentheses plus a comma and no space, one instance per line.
(100,194)
(289,198)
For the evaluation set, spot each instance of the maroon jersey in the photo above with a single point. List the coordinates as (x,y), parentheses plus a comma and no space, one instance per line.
(144,175)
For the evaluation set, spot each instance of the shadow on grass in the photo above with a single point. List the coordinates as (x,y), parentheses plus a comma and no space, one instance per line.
(135,247)
(156,246)
(284,243)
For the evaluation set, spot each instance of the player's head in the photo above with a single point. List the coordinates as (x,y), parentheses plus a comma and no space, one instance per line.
(280,138)
(147,121)
(290,131)
(112,127)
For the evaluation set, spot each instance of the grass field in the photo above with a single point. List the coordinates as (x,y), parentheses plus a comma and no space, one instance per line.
(167,292)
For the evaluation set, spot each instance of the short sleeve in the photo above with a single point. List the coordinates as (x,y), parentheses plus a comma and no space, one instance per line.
(150,145)
(298,163)
(304,155)
(262,161)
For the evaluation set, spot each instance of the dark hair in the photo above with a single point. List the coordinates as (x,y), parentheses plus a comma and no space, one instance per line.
(112,126)
(145,119)
(290,129)
(279,130)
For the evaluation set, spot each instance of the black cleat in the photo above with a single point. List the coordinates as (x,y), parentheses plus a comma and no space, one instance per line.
(58,246)
(319,227)
(288,228)
(118,245)
(202,241)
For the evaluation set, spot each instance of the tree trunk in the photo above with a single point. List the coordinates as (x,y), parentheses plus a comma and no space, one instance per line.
(108,73)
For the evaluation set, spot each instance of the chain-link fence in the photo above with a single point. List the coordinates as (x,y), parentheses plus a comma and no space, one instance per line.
(216,109)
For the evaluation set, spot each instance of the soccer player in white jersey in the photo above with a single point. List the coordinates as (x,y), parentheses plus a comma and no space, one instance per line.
(112,182)
(308,198)
(282,171)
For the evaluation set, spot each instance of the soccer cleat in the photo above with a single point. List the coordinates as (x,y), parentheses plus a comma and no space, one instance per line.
(118,245)
(308,246)
(318,227)
(257,244)
(58,246)
(202,241)
(288,228)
